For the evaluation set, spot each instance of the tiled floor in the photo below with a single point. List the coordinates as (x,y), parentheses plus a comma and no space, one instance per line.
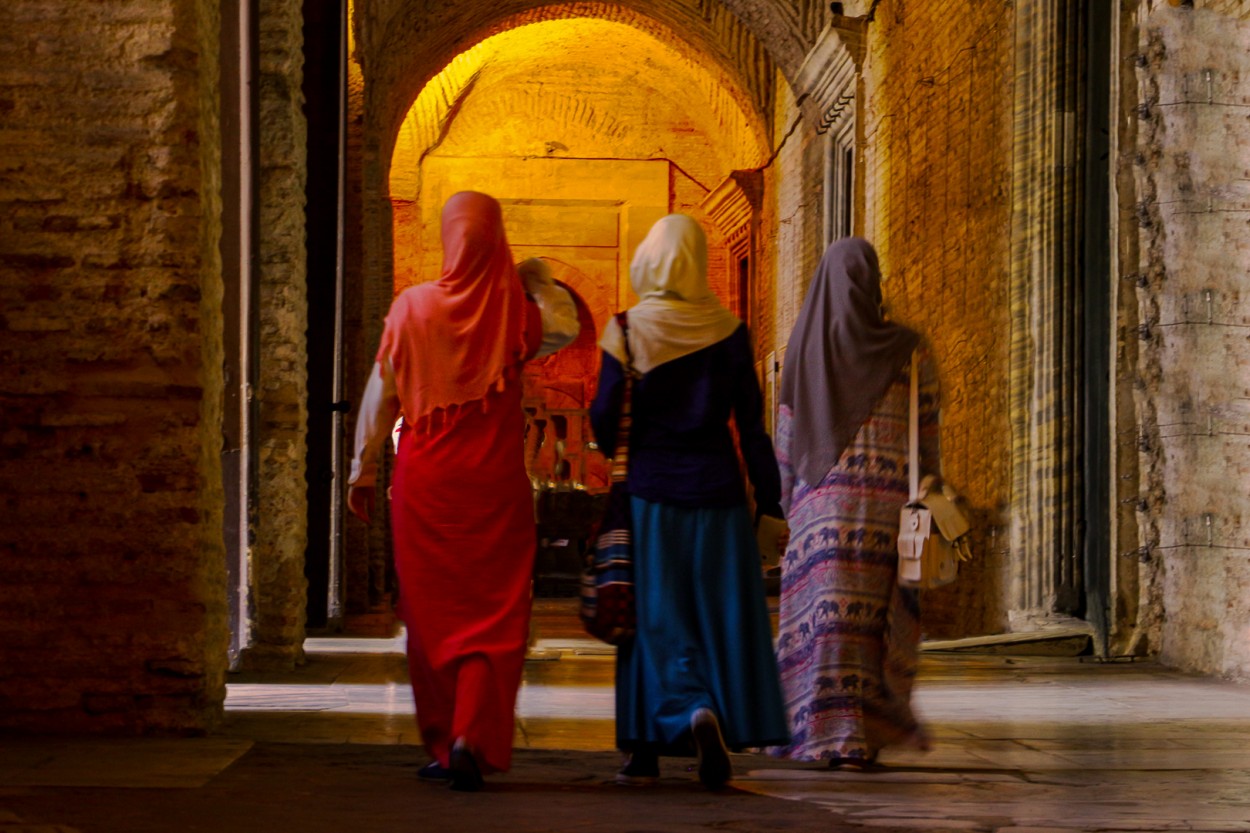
(1022,745)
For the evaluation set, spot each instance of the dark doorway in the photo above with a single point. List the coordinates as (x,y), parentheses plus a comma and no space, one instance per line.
(323,107)
(1096,322)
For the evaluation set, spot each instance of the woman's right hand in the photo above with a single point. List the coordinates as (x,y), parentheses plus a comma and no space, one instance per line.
(775,535)
(360,501)
(783,542)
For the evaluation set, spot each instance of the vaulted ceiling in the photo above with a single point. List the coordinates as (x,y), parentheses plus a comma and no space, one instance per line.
(587,88)
(402,44)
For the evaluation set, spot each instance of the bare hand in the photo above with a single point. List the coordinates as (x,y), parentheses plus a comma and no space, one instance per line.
(360,501)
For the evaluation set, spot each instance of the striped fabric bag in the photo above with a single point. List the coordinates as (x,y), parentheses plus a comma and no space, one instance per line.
(607,583)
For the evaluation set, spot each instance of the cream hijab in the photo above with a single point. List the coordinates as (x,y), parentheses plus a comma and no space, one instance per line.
(677,314)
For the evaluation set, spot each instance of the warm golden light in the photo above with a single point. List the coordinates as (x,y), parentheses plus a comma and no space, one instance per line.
(581,88)
(587,131)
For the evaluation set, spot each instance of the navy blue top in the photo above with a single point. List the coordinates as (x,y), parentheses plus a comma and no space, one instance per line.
(681,450)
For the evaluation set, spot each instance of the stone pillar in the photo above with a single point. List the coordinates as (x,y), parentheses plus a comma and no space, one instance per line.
(280,525)
(112,563)
(1185,249)
(1044,372)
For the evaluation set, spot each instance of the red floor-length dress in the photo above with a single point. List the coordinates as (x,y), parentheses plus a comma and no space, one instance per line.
(463,518)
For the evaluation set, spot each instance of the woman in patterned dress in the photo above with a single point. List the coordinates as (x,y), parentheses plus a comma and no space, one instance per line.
(849,635)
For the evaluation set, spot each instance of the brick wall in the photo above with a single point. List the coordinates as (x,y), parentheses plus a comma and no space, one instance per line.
(937,167)
(112,598)
(1184,324)
(792,227)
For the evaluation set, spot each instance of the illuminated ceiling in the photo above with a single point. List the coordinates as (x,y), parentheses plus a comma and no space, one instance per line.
(582,87)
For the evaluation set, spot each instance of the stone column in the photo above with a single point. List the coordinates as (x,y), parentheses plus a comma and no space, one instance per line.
(1044,370)
(280,524)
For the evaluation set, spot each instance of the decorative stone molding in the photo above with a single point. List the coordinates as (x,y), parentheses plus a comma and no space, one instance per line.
(734,208)
(734,204)
(825,85)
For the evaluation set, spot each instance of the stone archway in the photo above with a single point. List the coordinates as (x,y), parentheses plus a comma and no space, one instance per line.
(499,100)
(400,46)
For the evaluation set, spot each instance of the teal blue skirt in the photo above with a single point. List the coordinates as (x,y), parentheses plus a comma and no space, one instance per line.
(703,633)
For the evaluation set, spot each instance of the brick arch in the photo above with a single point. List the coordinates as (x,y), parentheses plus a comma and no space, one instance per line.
(743,39)
(400,45)
(566,108)
(532,44)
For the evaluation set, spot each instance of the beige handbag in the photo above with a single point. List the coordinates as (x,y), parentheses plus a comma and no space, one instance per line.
(932,531)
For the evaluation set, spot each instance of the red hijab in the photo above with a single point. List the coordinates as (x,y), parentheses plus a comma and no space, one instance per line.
(454,340)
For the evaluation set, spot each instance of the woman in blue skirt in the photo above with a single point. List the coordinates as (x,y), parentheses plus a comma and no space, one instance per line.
(701,675)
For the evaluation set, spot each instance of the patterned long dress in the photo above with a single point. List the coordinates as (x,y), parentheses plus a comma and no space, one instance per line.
(849,635)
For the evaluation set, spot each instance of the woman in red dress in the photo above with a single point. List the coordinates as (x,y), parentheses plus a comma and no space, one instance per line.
(461,503)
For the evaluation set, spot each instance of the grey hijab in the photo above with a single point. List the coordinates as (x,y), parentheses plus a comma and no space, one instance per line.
(842,357)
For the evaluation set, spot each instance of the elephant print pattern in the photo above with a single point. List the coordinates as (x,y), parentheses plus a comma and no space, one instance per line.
(849,636)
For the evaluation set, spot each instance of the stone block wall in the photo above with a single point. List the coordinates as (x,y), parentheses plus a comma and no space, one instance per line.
(1185,326)
(279,587)
(112,597)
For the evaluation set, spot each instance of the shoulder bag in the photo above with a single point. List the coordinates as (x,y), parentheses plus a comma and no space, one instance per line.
(607,581)
(933,530)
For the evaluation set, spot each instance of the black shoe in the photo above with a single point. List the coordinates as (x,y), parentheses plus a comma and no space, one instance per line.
(714,767)
(641,770)
(854,764)
(434,771)
(465,776)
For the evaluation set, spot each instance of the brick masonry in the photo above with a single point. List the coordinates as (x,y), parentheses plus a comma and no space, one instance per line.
(937,169)
(112,599)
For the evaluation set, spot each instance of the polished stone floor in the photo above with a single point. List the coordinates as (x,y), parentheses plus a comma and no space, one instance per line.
(1022,745)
